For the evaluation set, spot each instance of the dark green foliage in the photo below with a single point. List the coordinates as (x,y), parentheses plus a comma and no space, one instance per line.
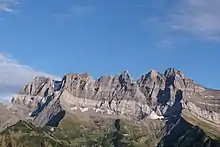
(98,132)
(69,134)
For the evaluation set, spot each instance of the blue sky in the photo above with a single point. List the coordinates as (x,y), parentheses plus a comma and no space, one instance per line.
(106,37)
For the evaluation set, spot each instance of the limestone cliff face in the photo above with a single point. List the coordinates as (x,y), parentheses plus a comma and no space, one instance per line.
(154,95)
(33,94)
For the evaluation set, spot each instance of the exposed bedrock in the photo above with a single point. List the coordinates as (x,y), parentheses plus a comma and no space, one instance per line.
(154,95)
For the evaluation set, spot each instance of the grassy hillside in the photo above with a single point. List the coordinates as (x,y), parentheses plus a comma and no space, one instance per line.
(89,131)
(24,134)
(75,131)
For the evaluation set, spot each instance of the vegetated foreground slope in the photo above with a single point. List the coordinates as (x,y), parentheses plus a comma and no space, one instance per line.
(93,131)
(76,131)
(158,110)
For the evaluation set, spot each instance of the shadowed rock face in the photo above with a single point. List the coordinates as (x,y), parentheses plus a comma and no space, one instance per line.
(154,95)
(51,114)
(180,133)
(54,121)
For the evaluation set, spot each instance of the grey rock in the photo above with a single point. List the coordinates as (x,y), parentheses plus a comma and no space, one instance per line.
(41,86)
(154,95)
(51,113)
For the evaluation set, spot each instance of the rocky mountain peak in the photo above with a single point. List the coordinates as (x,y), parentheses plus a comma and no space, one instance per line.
(172,72)
(77,77)
(153,95)
(125,78)
(85,75)
(38,87)
(153,74)
(71,76)
(40,78)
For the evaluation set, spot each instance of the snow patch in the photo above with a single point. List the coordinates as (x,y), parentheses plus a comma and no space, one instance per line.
(99,110)
(74,108)
(43,100)
(110,112)
(153,115)
(93,109)
(52,129)
(84,109)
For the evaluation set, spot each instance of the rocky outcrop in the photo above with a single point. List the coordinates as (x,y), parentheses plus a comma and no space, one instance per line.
(41,86)
(50,115)
(36,93)
(180,133)
(154,95)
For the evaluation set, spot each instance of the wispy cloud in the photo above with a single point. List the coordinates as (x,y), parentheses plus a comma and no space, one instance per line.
(79,11)
(82,10)
(166,44)
(7,5)
(186,19)
(13,75)
(198,17)
(160,29)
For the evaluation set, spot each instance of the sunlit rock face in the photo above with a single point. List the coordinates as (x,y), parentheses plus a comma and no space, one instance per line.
(154,96)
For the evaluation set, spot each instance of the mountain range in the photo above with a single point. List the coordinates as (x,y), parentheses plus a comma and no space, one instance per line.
(157,110)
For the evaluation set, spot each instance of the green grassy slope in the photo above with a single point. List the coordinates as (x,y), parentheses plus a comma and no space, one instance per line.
(87,131)
(75,131)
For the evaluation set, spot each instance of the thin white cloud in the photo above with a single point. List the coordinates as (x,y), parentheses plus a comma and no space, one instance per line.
(5,9)
(82,10)
(6,5)
(166,44)
(13,75)
(162,32)
(198,17)
(76,11)
(184,21)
